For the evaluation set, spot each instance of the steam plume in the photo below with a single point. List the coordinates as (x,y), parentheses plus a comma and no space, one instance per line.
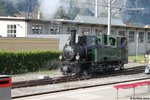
(48,8)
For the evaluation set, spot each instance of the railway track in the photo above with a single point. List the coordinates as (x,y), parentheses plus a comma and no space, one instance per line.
(82,87)
(55,80)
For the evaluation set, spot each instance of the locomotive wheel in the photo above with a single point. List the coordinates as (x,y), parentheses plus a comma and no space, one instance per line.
(86,73)
(121,66)
(110,70)
(76,70)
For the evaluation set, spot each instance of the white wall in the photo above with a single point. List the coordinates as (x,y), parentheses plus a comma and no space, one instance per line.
(62,38)
(20,30)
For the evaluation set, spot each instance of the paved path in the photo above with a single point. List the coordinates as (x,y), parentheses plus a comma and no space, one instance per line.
(96,93)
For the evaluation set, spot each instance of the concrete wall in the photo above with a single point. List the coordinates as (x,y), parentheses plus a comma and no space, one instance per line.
(28,44)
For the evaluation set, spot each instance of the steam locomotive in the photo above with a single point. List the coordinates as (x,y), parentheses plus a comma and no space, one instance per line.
(92,54)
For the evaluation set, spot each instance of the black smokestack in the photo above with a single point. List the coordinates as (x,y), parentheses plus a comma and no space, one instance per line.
(73,37)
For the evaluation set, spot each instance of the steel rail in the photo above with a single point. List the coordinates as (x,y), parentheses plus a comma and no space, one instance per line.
(56,80)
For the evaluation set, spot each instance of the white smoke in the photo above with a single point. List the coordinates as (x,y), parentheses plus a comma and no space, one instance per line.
(48,8)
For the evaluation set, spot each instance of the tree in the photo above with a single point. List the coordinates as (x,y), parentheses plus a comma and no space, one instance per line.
(61,14)
(3,9)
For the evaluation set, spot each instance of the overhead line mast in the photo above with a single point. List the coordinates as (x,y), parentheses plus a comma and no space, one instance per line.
(109,17)
(96,8)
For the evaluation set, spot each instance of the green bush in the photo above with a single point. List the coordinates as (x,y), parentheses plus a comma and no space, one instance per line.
(26,61)
(138,59)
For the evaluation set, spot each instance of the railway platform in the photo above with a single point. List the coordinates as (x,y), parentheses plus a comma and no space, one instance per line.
(96,93)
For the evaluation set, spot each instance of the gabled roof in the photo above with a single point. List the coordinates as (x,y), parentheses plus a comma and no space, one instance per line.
(98,20)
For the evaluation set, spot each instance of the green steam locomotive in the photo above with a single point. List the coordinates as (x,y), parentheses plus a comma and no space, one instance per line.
(92,54)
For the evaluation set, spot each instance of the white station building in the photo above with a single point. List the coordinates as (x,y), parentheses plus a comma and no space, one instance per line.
(15,27)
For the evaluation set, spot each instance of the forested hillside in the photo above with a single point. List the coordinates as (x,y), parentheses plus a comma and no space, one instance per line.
(140,12)
(10,7)
(130,11)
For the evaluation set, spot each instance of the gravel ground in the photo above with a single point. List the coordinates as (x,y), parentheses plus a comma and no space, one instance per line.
(34,76)
(47,88)
(54,87)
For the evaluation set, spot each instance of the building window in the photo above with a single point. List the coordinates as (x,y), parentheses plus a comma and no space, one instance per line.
(148,38)
(54,30)
(141,37)
(122,33)
(11,30)
(113,32)
(98,31)
(37,30)
(69,29)
(131,36)
(85,31)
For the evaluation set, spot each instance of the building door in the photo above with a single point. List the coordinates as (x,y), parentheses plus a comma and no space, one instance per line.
(132,42)
(141,43)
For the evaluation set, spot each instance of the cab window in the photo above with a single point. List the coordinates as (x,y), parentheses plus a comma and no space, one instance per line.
(91,40)
(123,42)
(99,40)
(112,41)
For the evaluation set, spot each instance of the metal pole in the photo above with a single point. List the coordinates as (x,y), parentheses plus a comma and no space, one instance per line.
(133,90)
(96,8)
(109,17)
(117,93)
(137,43)
(148,88)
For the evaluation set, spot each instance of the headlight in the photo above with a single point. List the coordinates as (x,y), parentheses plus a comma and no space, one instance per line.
(60,57)
(146,56)
(77,56)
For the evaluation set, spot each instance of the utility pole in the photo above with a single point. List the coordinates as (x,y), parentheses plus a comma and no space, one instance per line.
(137,44)
(109,17)
(96,8)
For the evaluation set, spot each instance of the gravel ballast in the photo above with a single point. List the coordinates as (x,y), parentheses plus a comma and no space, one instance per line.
(76,84)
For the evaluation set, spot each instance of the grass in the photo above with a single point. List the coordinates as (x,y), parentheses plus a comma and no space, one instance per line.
(50,73)
(138,59)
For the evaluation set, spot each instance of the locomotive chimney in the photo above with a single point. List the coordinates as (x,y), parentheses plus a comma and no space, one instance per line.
(73,37)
